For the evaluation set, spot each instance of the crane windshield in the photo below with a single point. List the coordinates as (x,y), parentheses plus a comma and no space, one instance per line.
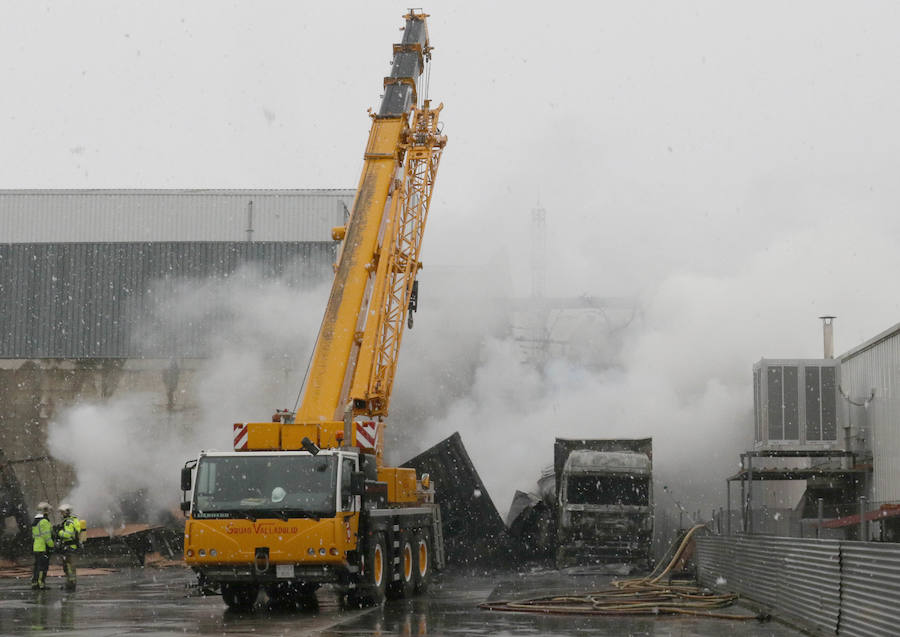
(254,486)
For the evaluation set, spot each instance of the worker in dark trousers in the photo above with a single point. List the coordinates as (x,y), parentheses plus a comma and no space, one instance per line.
(42,536)
(68,538)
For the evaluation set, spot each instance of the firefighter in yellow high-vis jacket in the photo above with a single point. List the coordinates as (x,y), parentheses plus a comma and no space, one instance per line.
(69,541)
(42,536)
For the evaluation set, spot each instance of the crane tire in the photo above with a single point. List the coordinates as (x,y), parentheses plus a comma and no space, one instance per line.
(374,571)
(422,560)
(406,585)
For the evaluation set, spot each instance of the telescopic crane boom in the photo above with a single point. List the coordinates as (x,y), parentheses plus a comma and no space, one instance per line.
(348,388)
(305,498)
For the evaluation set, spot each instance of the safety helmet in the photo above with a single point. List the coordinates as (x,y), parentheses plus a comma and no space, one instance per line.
(44,507)
(65,508)
(278,494)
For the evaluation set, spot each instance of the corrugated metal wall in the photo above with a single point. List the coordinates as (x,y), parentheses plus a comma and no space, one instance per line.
(800,579)
(831,586)
(48,216)
(876,365)
(84,300)
(871,589)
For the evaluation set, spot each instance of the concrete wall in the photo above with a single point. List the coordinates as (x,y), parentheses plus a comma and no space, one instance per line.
(32,392)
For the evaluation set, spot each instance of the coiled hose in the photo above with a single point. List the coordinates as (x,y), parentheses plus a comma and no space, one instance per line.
(641,596)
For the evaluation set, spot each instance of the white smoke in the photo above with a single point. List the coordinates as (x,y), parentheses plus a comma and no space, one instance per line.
(680,372)
(117,448)
(260,333)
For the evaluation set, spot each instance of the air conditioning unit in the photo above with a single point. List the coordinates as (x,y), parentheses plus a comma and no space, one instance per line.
(796,403)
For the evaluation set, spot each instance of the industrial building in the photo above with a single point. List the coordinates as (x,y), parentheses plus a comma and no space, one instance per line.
(826,457)
(80,272)
(871,384)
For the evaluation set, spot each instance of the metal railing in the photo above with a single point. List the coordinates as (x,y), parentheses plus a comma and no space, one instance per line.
(830,586)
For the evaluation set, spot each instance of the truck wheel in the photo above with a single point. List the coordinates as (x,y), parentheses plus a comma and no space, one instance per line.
(374,571)
(240,596)
(422,549)
(406,585)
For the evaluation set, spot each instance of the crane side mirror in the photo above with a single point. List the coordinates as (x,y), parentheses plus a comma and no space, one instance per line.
(186,475)
(357,483)
(185,506)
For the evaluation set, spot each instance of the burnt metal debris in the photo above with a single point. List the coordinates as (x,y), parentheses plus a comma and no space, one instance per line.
(12,505)
(474,533)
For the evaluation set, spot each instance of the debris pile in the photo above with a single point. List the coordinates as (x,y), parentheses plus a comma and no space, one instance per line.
(655,594)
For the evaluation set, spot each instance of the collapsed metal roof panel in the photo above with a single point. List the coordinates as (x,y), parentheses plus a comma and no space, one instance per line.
(473,529)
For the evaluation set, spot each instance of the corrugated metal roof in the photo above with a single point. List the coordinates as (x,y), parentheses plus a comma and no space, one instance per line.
(45,216)
(872,342)
(83,300)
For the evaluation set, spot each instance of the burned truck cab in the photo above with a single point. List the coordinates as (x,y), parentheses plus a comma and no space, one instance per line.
(605,507)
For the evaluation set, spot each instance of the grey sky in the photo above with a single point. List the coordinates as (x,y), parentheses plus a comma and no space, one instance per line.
(683,138)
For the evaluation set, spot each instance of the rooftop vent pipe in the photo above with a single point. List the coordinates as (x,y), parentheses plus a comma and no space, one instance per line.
(828,334)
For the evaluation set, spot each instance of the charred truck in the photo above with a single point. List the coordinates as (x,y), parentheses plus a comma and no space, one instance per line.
(306,498)
(604,500)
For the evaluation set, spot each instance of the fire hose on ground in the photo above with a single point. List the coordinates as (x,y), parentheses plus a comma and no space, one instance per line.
(649,595)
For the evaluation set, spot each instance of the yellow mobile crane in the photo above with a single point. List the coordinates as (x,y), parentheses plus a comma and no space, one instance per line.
(306,498)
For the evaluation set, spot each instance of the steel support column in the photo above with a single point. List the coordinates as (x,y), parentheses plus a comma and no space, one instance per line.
(728,507)
(749,495)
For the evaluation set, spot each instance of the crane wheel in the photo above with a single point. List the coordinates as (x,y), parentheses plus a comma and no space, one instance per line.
(374,570)
(422,560)
(406,585)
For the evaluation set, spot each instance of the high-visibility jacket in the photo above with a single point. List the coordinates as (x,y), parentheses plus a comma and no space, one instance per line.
(68,532)
(42,534)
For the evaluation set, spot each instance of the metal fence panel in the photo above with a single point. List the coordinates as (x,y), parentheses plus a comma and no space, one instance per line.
(796,579)
(871,589)
(832,586)
(809,584)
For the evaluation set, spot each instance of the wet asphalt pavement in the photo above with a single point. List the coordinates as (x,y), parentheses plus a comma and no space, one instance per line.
(161,602)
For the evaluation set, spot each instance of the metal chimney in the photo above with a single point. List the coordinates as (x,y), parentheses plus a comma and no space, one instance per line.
(828,334)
